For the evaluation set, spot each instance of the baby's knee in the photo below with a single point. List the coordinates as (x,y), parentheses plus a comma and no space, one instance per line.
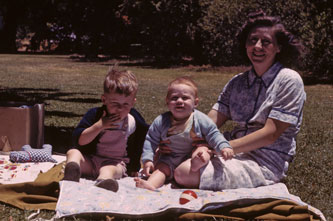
(164,168)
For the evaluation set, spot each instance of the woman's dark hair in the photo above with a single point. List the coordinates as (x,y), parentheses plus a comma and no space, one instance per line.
(290,47)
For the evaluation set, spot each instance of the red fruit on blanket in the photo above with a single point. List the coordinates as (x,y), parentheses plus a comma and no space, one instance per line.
(187,196)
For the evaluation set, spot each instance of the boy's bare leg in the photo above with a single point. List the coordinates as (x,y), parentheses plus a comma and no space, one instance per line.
(200,158)
(108,175)
(72,169)
(111,172)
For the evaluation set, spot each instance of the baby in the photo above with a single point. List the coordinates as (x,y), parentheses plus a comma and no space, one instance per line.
(178,129)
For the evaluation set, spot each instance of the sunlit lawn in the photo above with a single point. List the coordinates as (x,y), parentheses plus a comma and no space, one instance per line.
(70,87)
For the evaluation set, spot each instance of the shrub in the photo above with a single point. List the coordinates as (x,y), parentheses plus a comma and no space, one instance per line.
(311,21)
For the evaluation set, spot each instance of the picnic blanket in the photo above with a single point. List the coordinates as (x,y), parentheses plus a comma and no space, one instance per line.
(267,202)
(11,173)
(30,186)
(67,198)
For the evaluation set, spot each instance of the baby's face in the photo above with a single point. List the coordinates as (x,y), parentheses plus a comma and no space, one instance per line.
(118,104)
(181,101)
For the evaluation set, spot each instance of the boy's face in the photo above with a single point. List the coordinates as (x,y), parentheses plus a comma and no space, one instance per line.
(181,101)
(118,104)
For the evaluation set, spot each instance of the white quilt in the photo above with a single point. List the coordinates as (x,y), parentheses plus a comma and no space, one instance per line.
(130,202)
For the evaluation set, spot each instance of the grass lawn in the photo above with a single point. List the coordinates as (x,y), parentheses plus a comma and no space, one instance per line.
(69,87)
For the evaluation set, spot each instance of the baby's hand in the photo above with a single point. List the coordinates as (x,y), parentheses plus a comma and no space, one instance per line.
(227,153)
(109,121)
(148,168)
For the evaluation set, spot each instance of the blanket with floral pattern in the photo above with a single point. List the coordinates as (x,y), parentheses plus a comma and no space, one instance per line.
(131,202)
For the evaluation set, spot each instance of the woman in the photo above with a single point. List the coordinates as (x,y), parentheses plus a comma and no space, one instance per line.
(266,103)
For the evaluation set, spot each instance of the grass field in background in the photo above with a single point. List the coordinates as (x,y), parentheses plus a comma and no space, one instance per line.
(69,87)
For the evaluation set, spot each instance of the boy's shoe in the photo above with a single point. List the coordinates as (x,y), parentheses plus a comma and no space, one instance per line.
(72,172)
(108,184)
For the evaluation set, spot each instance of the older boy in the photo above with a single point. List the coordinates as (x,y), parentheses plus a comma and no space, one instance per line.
(106,138)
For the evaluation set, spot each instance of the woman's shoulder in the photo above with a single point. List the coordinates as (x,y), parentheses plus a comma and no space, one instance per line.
(240,78)
(290,75)
(241,75)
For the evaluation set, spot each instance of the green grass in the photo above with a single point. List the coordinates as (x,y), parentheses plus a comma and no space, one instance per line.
(70,87)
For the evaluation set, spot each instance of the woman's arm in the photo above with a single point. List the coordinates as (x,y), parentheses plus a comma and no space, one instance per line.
(260,138)
(218,118)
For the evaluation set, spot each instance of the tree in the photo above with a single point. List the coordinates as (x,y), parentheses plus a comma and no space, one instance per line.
(310,20)
(10,12)
(166,28)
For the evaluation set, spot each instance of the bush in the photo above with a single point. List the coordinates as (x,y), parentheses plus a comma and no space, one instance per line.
(311,21)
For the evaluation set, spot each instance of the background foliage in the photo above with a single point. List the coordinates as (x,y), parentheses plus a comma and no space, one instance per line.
(202,31)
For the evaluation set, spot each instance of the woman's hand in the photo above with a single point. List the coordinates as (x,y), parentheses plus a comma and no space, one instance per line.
(163,148)
(199,142)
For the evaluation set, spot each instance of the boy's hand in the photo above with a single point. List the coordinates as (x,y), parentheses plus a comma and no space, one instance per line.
(227,153)
(148,168)
(109,121)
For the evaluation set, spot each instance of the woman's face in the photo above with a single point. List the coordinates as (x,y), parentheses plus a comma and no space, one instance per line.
(261,47)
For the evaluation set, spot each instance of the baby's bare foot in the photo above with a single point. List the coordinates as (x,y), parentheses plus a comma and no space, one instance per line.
(140,183)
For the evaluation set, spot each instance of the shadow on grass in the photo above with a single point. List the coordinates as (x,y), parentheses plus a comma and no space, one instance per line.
(39,95)
(59,137)
(128,61)
(152,63)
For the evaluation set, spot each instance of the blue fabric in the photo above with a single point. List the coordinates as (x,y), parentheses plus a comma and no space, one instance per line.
(204,127)
(29,154)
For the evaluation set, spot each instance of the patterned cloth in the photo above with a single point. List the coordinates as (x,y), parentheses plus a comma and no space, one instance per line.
(12,173)
(137,203)
(29,154)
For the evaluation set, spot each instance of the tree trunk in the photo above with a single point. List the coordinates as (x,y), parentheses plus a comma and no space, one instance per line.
(9,26)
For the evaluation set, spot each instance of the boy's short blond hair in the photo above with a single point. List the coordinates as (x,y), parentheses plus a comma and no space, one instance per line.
(184,80)
(121,82)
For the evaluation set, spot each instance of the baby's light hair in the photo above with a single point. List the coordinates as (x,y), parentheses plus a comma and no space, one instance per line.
(121,82)
(184,80)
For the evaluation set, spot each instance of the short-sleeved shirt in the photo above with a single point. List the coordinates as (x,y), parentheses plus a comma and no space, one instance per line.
(249,100)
